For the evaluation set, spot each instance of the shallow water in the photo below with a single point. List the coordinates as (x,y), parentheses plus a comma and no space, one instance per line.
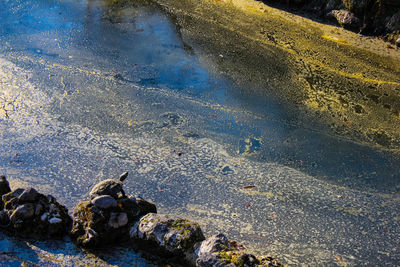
(90,89)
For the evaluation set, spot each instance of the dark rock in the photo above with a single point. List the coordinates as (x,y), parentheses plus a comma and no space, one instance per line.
(29,213)
(174,236)
(4,218)
(345,18)
(96,225)
(4,189)
(104,202)
(117,219)
(14,194)
(28,195)
(145,206)
(4,186)
(394,23)
(22,212)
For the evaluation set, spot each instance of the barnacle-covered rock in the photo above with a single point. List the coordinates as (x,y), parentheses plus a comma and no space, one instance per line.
(29,213)
(174,236)
(105,219)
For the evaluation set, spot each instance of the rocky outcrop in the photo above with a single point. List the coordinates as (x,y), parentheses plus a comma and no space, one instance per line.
(184,239)
(108,216)
(31,214)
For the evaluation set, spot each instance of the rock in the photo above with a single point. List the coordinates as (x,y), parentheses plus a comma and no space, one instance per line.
(172,236)
(4,218)
(118,219)
(4,189)
(4,185)
(23,212)
(12,195)
(55,220)
(217,251)
(145,206)
(104,202)
(38,209)
(28,195)
(398,42)
(208,252)
(109,187)
(96,225)
(31,214)
(394,23)
(345,18)
(213,244)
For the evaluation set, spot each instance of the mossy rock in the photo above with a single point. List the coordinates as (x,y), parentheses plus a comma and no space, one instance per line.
(172,236)
(28,213)
(97,227)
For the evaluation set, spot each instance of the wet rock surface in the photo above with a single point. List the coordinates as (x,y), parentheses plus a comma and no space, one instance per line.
(29,213)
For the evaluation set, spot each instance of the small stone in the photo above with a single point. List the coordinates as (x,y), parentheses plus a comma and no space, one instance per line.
(122,219)
(345,18)
(44,216)
(398,42)
(55,220)
(28,195)
(23,212)
(117,219)
(104,202)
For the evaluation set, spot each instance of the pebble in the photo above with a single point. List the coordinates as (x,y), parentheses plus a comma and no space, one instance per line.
(398,42)
(104,202)
(117,219)
(44,216)
(55,220)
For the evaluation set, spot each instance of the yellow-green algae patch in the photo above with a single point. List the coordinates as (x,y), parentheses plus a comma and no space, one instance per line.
(347,82)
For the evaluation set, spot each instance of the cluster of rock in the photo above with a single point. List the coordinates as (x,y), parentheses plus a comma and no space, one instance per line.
(109,216)
(375,17)
(31,214)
